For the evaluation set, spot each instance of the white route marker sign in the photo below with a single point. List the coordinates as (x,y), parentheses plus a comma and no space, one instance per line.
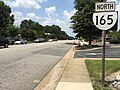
(105,16)
(105,20)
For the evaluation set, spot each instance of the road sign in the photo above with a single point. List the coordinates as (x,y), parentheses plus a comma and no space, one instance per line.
(105,6)
(105,20)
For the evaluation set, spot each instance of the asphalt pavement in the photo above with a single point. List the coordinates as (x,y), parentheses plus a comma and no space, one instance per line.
(111,52)
(22,67)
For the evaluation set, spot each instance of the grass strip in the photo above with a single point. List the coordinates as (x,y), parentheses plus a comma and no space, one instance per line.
(95,71)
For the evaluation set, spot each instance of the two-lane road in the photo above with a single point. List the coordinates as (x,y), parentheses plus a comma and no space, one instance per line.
(23,66)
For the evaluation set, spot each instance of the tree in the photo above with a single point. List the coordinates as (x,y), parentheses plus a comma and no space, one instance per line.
(56,30)
(114,34)
(13,30)
(6,18)
(82,20)
(48,29)
(31,30)
(63,35)
(31,34)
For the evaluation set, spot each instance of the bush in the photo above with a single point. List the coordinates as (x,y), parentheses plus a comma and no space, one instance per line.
(85,47)
(114,41)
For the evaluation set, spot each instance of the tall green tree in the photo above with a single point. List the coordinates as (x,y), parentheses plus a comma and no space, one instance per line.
(31,30)
(6,18)
(82,20)
(24,29)
(13,30)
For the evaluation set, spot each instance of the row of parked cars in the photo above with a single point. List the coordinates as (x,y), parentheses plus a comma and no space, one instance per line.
(38,40)
(10,41)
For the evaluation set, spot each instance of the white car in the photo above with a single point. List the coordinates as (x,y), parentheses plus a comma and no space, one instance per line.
(22,41)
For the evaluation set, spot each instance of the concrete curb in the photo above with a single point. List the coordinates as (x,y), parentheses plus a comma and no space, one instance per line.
(100,58)
(98,48)
(89,49)
(52,78)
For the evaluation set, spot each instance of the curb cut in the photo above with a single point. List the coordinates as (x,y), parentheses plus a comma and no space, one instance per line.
(52,78)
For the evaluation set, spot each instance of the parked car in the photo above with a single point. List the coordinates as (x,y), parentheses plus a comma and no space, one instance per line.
(11,40)
(50,40)
(40,40)
(4,42)
(22,41)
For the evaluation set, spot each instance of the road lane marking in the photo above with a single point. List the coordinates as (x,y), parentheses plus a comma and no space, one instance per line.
(94,54)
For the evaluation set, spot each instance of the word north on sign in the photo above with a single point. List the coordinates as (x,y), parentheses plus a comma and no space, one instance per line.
(105,6)
(105,20)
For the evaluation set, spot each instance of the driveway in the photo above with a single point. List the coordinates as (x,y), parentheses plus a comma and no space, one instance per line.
(111,52)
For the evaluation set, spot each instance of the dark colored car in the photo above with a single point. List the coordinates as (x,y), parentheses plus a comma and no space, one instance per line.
(4,41)
(11,40)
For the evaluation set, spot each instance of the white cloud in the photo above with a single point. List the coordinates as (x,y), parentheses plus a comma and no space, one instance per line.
(51,10)
(68,14)
(63,24)
(51,21)
(24,4)
(48,21)
(32,15)
(41,1)
(111,0)
(59,22)
(19,17)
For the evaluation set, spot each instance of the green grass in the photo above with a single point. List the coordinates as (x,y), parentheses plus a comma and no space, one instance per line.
(94,69)
(30,42)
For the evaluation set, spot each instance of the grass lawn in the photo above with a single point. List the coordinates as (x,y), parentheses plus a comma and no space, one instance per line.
(95,72)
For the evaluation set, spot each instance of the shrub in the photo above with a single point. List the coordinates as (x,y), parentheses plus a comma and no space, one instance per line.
(114,41)
(85,47)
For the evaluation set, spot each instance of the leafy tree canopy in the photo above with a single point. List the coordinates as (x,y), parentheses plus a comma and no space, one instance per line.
(82,19)
(6,18)
(114,34)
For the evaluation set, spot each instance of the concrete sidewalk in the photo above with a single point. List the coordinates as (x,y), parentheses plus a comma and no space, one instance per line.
(75,76)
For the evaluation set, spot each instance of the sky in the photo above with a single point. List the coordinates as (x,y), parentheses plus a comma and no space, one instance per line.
(47,12)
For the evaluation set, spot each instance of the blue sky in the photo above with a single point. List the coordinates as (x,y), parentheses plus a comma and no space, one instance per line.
(46,12)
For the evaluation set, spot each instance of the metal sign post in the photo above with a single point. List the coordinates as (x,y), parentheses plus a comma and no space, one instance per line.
(103,56)
(104,19)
